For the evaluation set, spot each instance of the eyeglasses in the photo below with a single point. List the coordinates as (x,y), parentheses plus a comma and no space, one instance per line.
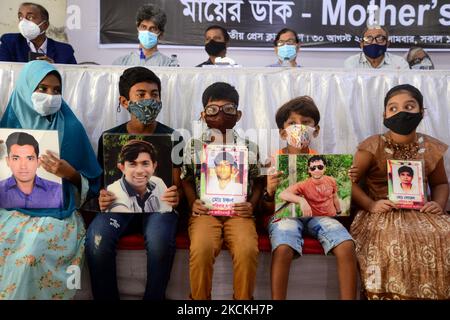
(313,168)
(281,43)
(152,29)
(214,109)
(378,39)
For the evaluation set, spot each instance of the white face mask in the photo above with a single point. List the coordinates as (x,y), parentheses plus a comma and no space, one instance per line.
(299,136)
(46,104)
(29,29)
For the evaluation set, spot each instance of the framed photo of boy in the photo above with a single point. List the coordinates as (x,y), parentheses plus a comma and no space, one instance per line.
(224,173)
(138,170)
(313,185)
(406,184)
(24,183)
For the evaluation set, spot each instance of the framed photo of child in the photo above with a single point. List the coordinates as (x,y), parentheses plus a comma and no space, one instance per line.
(24,183)
(406,184)
(138,170)
(313,185)
(223,177)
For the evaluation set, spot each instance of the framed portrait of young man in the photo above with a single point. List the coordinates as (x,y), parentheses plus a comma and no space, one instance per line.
(223,182)
(137,170)
(24,182)
(313,185)
(406,183)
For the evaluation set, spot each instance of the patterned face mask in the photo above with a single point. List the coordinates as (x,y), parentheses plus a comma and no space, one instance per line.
(299,136)
(145,110)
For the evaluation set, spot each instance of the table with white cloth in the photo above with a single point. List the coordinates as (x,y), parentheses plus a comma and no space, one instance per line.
(350,102)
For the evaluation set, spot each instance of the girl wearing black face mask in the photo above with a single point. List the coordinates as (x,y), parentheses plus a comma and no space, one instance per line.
(402,253)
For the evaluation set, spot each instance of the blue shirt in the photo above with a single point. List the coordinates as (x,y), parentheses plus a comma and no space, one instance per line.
(45,194)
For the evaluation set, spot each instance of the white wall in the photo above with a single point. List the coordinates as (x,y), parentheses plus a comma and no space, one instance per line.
(56,10)
(85,43)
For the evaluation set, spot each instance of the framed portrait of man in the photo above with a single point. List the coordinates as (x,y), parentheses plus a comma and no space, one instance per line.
(24,183)
(223,180)
(406,184)
(313,185)
(138,170)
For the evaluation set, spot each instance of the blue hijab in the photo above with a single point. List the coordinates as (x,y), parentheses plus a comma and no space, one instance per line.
(74,144)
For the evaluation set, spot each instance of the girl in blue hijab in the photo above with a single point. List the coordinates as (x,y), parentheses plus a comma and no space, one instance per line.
(37,246)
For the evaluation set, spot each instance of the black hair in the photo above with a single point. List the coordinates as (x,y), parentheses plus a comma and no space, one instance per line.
(224,156)
(411,90)
(22,139)
(153,13)
(130,151)
(406,169)
(220,91)
(283,31)
(317,158)
(134,75)
(226,36)
(304,106)
(42,10)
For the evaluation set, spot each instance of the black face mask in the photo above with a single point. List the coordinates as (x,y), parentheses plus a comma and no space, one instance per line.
(214,48)
(221,121)
(403,122)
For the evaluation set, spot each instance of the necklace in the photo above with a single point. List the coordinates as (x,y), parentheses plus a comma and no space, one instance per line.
(404,151)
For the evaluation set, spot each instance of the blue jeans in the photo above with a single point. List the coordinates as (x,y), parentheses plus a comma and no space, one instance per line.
(104,232)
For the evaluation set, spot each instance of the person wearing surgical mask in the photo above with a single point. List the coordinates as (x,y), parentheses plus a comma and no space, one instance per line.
(374,44)
(217,40)
(36,104)
(32,42)
(287,46)
(298,124)
(140,95)
(150,23)
(418,59)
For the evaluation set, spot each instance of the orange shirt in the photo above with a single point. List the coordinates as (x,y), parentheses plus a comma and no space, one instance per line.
(319,194)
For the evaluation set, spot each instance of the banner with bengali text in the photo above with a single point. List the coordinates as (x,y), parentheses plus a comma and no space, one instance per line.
(320,24)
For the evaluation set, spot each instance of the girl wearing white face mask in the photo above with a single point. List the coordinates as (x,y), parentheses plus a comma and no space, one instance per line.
(286,47)
(36,104)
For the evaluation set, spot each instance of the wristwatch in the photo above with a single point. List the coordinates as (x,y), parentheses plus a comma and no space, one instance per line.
(267,197)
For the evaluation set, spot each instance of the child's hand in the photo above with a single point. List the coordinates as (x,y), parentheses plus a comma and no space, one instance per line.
(105,199)
(273,180)
(306,208)
(353,173)
(170,196)
(243,209)
(199,208)
(432,207)
(382,206)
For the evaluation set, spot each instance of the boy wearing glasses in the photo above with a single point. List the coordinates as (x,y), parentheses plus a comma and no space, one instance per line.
(150,23)
(207,233)
(374,44)
(318,199)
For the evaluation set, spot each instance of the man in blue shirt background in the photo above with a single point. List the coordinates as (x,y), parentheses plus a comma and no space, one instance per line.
(33,24)
(24,189)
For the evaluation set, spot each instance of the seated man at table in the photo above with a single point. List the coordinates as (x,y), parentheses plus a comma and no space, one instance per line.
(150,23)
(374,44)
(217,40)
(32,39)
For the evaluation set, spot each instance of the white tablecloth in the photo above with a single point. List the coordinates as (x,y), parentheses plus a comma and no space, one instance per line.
(350,103)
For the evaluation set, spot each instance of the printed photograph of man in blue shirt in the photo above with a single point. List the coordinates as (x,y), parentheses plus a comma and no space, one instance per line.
(24,189)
